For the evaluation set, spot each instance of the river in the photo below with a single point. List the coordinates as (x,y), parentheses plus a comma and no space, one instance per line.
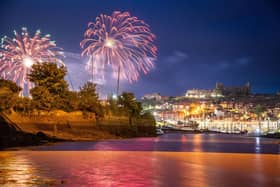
(168,160)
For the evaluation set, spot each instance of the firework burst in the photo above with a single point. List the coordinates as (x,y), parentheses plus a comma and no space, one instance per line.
(17,55)
(121,42)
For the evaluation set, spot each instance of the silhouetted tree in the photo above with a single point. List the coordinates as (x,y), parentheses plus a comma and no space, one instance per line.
(24,105)
(42,99)
(72,101)
(129,103)
(50,88)
(9,92)
(10,85)
(89,100)
(113,106)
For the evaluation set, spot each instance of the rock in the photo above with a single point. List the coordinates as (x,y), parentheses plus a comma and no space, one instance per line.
(42,135)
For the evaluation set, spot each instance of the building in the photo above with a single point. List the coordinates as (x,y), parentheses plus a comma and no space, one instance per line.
(219,91)
(153,96)
(202,94)
(196,93)
(233,91)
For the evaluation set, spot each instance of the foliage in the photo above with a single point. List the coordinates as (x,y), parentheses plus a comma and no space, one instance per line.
(72,101)
(51,76)
(8,94)
(113,106)
(24,105)
(129,103)
(51,89)
(42,98)
(149,116)
(51,92)
(10,85)
(89,99)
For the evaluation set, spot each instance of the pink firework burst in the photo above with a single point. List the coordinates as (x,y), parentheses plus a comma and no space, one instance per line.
(122,42)
(18,54)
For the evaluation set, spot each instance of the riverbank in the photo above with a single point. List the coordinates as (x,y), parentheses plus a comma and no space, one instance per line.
(24,130)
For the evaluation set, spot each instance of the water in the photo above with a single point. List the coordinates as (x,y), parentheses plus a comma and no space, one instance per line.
(168,160)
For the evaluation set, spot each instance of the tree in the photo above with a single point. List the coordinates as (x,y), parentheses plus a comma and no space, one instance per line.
(42,99)
(10,85)
(113,105)
(89,100)
(72,101)
(128,101)
(9,92)
(24,105)
(149,116)
(51,76)
(50,88)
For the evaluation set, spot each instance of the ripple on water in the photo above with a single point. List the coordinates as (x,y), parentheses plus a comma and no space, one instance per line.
(91,164)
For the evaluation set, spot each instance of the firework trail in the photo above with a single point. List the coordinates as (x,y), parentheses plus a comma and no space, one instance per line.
(121,42)
(17,55)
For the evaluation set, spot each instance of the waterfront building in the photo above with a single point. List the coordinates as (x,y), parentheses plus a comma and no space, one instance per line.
(152,96)
(196,93)
(202,94)
(222,108)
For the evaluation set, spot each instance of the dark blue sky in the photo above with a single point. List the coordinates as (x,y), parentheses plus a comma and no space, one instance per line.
(200,41)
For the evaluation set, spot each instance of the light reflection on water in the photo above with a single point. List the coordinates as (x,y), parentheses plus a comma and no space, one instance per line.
(258,145)
(178,143)
(18,170)
(124,168)
(91,166)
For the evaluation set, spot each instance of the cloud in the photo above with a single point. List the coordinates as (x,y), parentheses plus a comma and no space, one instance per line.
(223,65)
(76,75)
(244,61)
(71,55)
(229,64)
(176,57)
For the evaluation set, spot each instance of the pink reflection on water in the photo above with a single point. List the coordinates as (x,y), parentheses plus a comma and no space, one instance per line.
(99,168)
(133,144)
(107,169)
(135,168)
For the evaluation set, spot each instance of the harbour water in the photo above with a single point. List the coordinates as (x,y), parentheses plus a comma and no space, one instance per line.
(169,160)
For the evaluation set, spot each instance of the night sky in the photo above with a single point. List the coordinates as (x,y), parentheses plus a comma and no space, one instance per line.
(200,42)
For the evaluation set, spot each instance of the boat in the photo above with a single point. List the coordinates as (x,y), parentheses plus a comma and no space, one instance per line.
(159,131)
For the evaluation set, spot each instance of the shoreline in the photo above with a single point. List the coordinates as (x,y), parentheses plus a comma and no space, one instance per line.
(17,130)
(23,130)
(49,141)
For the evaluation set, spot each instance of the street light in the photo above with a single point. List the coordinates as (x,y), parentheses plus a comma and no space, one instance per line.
(115,97)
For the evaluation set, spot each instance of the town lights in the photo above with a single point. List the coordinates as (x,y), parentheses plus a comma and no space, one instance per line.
(114,96)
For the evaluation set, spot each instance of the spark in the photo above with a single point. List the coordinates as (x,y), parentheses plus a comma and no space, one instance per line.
(18,54)
(120,42)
